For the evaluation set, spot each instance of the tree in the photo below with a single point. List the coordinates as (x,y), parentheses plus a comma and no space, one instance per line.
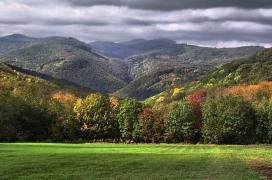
(66,99)
(197,98)
(9,115)
(264,121)
(128,115)
(144,130)
(64,125)
(182,122)
(21,120)
(228,119)
(159,124)
(93,113)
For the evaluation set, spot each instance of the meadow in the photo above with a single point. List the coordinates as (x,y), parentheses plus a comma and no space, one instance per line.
(133,161)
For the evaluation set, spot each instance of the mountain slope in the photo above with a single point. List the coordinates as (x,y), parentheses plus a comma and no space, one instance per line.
(247,70)
(72,60)
(186,63)
(25,83)
(251,70)
(155,65)
(187,55)
(159,81)
(16,42)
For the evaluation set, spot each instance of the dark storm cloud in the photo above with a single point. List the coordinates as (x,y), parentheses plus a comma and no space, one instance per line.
(168,5)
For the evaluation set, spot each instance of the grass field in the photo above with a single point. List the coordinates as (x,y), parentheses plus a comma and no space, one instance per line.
(120,161)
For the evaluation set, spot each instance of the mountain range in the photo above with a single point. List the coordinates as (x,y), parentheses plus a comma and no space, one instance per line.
(137,68)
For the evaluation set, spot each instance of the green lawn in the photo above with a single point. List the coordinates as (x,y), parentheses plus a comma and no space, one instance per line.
(120,161)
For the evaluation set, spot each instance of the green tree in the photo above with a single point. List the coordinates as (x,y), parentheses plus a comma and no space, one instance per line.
(264,121)
(24,121)
(127,115)
(9,115)
(228,119)
(182,122)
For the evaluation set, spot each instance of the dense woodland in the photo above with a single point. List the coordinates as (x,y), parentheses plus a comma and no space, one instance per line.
(33,109)
(221,117)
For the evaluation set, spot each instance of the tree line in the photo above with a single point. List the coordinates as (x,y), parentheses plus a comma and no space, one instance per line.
(200,117)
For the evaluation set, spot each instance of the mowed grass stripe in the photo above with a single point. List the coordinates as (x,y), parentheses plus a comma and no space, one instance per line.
(121,161)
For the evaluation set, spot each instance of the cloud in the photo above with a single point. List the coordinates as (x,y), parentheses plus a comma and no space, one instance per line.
(214,23)
(170,5)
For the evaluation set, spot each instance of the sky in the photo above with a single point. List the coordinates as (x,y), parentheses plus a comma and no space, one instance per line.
(215,23)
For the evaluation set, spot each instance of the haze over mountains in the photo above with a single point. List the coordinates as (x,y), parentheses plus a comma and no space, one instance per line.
(138,68)
(134,47)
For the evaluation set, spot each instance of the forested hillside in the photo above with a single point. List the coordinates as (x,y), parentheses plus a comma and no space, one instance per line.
(175,66)
(30,104)
(72,60)
(249,70)
(36,109)
(161,63)
(15,42)
(161,80)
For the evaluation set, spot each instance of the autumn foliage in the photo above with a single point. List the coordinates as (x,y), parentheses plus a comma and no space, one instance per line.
(197,98)
(67,99)
(249,92)
(238,115)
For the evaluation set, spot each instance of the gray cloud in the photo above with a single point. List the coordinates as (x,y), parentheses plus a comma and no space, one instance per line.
(159,5)
(169,5)
(206,22)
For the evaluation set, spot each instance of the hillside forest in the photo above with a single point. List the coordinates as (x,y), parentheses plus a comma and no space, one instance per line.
(230,105)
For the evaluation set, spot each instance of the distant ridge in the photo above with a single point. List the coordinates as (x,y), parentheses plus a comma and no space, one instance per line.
(129,48)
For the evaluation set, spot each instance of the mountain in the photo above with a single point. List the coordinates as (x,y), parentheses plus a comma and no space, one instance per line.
(72,60)
(186,55)
(159,81)
(250,70)
(185,62)
(62,83)
(146,68)
(246,70)
(24,83)
(114,50)
(166,47)
(129,48)
(133,42)
(149,60)
(15,42)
